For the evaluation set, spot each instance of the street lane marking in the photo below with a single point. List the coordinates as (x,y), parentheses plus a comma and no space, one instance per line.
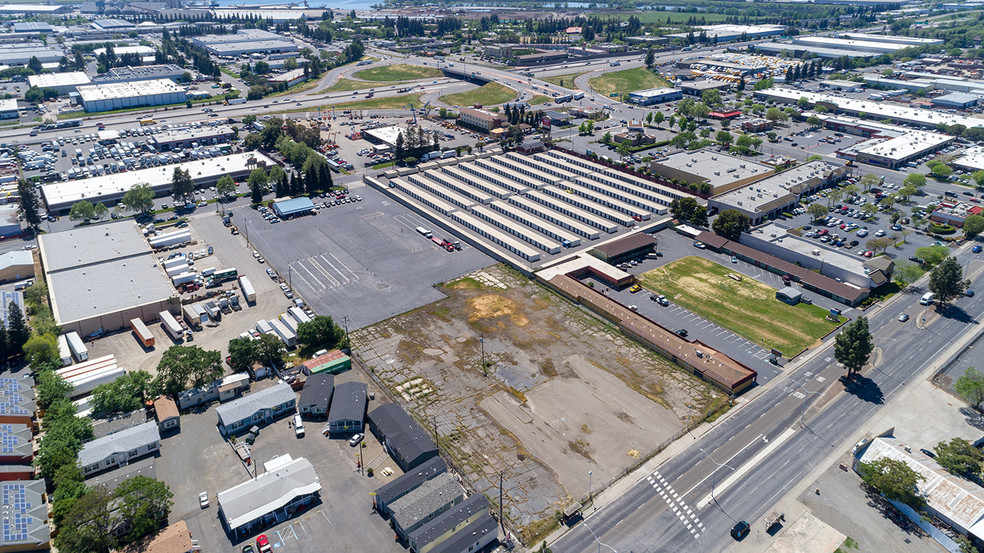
(734,476)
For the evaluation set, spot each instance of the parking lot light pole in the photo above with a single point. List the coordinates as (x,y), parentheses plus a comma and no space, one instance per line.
(590,499)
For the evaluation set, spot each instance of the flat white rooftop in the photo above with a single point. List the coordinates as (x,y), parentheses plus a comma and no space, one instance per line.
(51,80)
(134,89)
(972,159)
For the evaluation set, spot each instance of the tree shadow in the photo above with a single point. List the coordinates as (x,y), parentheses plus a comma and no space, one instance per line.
(863,388)
(956,313)
(972,417)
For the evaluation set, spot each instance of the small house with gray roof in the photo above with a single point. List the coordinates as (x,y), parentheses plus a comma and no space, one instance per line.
(425,503)
(120,448)
(256,409)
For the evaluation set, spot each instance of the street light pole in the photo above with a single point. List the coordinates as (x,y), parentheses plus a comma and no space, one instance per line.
(714,474)
(481,340)
(590,498)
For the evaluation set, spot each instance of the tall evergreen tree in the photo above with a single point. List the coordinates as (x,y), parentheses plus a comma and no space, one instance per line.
(17,330)
(29,206)
(4,344)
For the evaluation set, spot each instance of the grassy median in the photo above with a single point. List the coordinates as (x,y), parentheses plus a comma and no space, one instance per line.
(489,95)
(398,72)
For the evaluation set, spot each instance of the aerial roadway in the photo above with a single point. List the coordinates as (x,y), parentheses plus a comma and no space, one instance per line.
(771,443)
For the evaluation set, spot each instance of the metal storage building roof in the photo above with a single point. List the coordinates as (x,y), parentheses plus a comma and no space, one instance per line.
(293,206)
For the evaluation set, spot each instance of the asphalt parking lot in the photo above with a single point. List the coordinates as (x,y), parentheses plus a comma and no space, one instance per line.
(360,260)
(198,450)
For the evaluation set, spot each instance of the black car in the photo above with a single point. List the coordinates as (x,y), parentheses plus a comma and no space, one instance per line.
(915,259)
(682,332)
(740,530)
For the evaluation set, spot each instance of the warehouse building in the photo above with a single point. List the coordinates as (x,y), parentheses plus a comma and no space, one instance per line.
(720,171)
(405,441)
(729,32)
(102,276)
(16,265)
(185,138)
(124,95)
(246,41)
(797,50)
(114,25)
(8,109)
(25,516)
(109,189)
(406,483)
(956,100)
(29,28)
(64,83)
(293,207)
(697,88)
(119,448)
(286,486)
(289,78)
(21,55)
(170,71)
(655,96)
(888,145)
(256,409)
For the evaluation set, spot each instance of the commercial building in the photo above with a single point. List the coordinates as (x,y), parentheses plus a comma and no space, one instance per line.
(119,448)
(289,78)
(102,276)
(316,395)
(246,41)
(425,503)
(473,537)
(697,88)
(720,171)
(114,25)
(25,517)
(757,124)
(188,138)
(383,135)
(628,247)
(479,119)
(729,32)
(31,28)
(109,189)
(8,109)
(140,50)
(124,95)
(348,408)
(16,265)
(655,96)
(170,71)
(769,197)
(10,224)
(956,100)
(956,501)
(971,159)
(452,524)
(256,409)
(293,207)
(405,441)
(64,83)
(406,483)
(848,45)
(887,145)
(953,213)
(876,111)
(287,486)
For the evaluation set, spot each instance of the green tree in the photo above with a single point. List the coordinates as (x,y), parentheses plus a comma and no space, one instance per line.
(243,352)
(814,121)
(683,208)
(960,458)
(775,115)
(139,198)
(623,148)
(730,223)
(50,388)
(87,526)
(606,138)
(41,352)
(711,97)
(650,58)
(878,244)
(907,272)
(816,210)
(915,180)
(699,217)
(271,350)
(257,182)
(895,479)
(724,137)
(941,171)
(182,367)
(970,386)
(69,485)
(978,177)
(946,281)
(290,64)
(30,207)
(34,95)
(659,118)
(82,211)
(869,180)
(853,346)
(126,393)
(144,504)
(321,332)
(973,225)
(225,186)
(17,329)
(182,187)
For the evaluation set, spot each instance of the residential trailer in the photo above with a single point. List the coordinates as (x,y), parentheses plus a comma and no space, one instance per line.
(119,448)
(405,441)
(348,408)
(259,408)
(316,396)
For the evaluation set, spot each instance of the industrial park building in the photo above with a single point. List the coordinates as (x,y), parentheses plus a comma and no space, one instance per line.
(246,41)
(102,276)
(655,96)
(108,97)
(729,32)
(64,83)
(8,109)
(722,172)
(142,73)
(109,189)
(18,55)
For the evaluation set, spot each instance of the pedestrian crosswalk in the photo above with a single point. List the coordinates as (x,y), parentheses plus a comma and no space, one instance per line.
(676,504)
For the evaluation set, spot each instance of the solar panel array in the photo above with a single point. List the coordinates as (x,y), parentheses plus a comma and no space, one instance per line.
(11,398)
(8,440)
(16,521)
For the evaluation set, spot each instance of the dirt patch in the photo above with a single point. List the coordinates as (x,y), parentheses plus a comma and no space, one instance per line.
(517,379)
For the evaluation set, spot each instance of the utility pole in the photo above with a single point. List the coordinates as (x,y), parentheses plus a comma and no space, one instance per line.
(590,499)
(437,441)
(502,522)
(481,340)
(345,322)
(289,281)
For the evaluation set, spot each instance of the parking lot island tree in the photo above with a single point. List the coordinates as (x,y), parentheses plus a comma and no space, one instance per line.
(182,187)
(257,182)
(973,225)
(139,198)
(970,386)
(816,211)
(853,346)
(225,186)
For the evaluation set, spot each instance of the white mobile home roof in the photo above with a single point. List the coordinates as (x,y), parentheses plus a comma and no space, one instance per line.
(124,440)
(268,492)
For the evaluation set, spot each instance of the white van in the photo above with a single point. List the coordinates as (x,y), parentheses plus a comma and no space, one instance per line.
(927,298)
(298,426)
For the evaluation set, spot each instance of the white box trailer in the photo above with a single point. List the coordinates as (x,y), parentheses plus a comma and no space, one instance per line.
(88,383)
(289,322)
(247,288)
(175,261)
(97,364)
(263,327)
(78,348)
(171,325)
(170,239)
(183,278)
(63,350)
(299,315)
(178,270)
(285,334)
